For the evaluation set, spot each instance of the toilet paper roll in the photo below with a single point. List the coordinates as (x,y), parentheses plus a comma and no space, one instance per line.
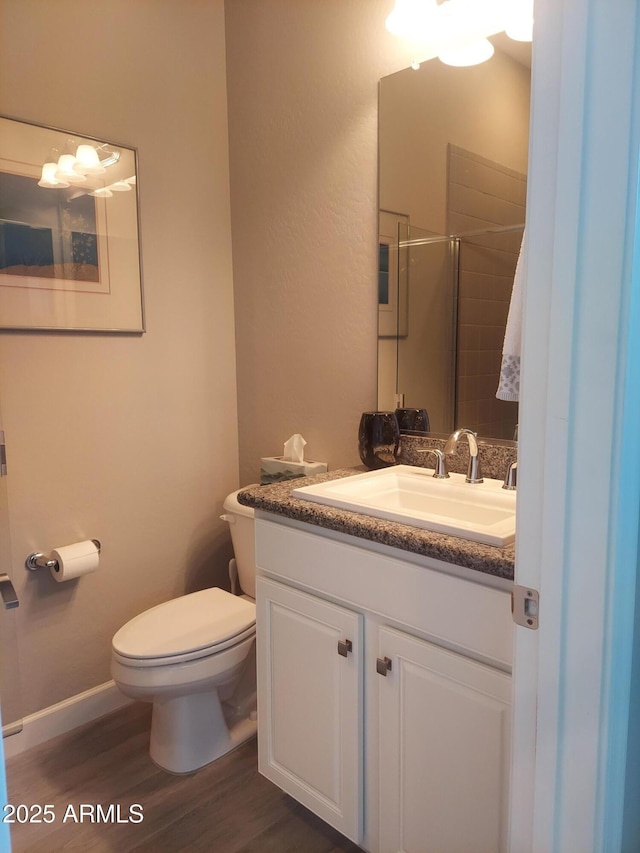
(73,561)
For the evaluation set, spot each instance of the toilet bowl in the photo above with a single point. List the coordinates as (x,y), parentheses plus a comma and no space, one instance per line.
(194,658)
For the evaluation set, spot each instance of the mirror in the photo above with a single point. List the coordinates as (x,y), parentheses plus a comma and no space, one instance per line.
(69,233)
(453,149)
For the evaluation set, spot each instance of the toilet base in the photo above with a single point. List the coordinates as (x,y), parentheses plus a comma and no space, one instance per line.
(189,732)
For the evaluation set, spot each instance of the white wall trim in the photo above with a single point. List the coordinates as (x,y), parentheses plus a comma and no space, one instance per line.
(571,535)
(65,716)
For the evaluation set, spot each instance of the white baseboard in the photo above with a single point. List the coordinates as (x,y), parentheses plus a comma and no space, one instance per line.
(66,715)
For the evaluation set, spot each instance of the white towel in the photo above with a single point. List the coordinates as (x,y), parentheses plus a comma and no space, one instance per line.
(509,383)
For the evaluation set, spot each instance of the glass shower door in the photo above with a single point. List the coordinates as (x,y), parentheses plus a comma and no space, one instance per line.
(427,324)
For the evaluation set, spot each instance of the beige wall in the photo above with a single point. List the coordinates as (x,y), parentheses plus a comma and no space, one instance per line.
(129,439)
(134,439)
(302,82)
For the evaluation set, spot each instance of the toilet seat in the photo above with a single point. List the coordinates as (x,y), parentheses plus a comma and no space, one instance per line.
(188,628)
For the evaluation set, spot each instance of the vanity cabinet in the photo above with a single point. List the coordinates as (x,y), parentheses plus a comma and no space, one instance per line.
(310,702)
(383,692)
(444,750)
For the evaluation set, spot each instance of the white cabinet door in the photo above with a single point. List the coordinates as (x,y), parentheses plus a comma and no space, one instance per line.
(310,702)
(444,750)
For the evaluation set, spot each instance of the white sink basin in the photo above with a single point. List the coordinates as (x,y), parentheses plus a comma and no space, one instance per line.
(482,512)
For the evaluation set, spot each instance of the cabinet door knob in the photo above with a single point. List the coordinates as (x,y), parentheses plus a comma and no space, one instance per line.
(383,666)
(344,647)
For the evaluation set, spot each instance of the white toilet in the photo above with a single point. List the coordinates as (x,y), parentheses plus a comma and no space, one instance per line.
(194,658)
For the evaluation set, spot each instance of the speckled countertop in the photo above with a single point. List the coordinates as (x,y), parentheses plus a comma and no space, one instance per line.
(277,498)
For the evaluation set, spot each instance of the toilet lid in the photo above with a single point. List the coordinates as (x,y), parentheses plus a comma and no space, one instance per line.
(180,627)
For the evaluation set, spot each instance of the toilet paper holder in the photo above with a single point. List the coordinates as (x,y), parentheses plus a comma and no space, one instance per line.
(37,560)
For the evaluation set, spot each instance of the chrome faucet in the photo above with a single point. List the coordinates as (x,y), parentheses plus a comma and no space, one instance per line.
(473,472)
(440,469)
(511,477)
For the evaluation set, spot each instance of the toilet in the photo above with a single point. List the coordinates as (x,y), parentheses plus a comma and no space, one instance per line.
(194,658)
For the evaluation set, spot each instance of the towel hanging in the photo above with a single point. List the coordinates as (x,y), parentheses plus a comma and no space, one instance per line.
(509,382)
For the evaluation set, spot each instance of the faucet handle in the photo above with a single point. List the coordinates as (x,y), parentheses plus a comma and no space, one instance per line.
(511,477)
(440,471)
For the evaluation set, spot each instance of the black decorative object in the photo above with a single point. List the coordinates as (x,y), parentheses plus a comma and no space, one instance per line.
(413,420)
(378,439)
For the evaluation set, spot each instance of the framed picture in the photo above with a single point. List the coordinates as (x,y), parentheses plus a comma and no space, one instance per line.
(69,232)
(393,320)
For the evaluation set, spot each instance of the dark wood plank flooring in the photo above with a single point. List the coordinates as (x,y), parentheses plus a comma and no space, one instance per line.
(226,807)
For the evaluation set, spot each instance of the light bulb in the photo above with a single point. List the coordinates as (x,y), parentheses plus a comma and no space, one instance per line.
(66,172)
(48,178)
(520,21)
(520,30)
(409,18)
(469,54)
(87,161)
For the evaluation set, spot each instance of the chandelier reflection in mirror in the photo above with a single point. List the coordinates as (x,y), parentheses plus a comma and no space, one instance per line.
(87,166)
(456,31)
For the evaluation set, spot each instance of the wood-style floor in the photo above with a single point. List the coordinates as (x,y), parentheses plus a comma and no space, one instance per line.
(226,807)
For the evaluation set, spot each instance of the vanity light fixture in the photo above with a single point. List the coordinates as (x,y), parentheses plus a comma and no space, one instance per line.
(410,16)
(118,187)
(66,172)
(472,53)
(107,157)
(523,31)
(60,172)
(101,192)
(48,177)
(87,161)
(456,30)
(520,26)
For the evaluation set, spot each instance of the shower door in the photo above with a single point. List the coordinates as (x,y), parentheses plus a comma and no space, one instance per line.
(427,324)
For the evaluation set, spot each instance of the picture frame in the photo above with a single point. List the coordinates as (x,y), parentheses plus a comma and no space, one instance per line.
(69,232)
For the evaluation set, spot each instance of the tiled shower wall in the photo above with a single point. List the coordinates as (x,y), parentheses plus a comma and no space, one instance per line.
(483,194)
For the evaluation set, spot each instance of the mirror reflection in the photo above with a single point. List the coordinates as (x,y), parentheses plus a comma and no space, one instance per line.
(69,237)
(452,188)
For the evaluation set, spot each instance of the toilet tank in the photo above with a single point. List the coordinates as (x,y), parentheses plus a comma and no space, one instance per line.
(241,524)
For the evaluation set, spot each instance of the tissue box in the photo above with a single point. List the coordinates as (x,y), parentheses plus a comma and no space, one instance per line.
(276,468)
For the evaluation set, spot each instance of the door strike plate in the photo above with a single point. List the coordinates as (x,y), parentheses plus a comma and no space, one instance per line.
(3,455)
(525,605)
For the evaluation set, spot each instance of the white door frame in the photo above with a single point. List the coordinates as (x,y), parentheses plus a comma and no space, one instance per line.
(577,515)
(5,839)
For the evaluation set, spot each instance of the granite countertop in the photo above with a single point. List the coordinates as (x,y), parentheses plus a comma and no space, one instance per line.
(277,498)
